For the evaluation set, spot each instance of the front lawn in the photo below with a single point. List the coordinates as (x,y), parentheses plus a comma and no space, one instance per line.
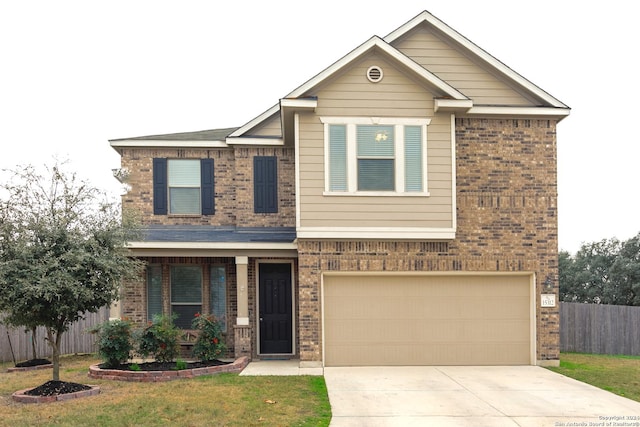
(220,400)
(617,374)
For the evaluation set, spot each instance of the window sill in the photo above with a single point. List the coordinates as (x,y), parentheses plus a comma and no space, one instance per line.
(375,194)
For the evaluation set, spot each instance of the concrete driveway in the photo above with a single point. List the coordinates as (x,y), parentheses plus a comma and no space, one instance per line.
(470,396)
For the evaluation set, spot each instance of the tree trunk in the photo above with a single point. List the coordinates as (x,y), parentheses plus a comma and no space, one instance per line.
(54,342)
(33,342)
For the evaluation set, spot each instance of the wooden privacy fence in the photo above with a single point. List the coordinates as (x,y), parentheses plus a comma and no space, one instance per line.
(75,340)
(599,328)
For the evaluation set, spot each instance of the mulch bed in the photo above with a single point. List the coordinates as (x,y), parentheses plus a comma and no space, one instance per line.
(55,391)
(33,362)
(51,388)
(31,365)
(162,366)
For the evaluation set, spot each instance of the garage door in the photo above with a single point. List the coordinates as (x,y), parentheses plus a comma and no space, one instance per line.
(427,320)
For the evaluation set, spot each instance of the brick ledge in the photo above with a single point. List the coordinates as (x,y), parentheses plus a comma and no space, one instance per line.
(159,376)
(20,396)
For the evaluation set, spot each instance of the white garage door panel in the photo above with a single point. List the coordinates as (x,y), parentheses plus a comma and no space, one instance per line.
(427,320)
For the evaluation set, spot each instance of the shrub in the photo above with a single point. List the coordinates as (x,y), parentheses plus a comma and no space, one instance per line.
(181,364)
(114,342)
(159,339)
(208,345)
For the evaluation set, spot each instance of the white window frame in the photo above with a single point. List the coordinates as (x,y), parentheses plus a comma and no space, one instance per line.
(398,123)
(196,162)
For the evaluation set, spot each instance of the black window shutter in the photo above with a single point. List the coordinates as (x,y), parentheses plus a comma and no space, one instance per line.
(207,187)
(265,184)
(160,186)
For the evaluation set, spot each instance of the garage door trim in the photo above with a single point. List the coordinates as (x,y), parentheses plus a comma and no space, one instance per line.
(531,302)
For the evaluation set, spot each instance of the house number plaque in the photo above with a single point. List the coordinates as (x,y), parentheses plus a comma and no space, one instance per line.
(548,300)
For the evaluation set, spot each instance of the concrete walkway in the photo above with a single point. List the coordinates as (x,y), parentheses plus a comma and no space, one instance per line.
(278,367)
(492,396)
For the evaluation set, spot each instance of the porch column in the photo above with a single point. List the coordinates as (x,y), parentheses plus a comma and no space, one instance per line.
(242,330)
(242,277)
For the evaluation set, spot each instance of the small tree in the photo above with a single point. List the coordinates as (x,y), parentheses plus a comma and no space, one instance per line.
(62,251)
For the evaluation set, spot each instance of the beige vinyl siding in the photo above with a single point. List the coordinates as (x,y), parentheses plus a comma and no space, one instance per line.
(445,61)
(270,127)
(397,95)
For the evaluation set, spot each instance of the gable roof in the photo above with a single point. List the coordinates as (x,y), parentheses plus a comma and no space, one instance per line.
(447,90)
(484,56)
(203,138)
(447,97)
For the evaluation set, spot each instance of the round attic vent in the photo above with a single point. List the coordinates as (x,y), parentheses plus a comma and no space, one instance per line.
(374,74)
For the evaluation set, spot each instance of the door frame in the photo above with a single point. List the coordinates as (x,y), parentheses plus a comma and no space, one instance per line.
(293,305)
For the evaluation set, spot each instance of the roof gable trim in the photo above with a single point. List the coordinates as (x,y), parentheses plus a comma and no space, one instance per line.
(255,122)
(376,41)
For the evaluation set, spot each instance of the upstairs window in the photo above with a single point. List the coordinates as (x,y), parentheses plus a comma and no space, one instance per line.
(378,157)
(183,187)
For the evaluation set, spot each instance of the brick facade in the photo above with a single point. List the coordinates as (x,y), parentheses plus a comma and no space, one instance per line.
(506,221)
(505,186)
(233,174)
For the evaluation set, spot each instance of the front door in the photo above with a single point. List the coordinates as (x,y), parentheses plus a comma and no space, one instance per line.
(275,317)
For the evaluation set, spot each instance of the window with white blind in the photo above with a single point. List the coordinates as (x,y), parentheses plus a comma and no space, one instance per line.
(184,186)
(375,156)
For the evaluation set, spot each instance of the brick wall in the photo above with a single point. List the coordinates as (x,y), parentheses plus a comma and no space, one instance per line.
(134,293)
(244,188)
(233,174)
(506,221)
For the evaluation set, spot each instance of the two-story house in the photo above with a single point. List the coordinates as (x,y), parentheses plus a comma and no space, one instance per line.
(398,208)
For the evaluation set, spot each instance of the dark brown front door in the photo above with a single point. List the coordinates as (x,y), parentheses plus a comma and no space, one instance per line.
(275,317)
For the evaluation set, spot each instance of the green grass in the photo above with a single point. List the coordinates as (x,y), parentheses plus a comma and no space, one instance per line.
(218,400)
(617,374)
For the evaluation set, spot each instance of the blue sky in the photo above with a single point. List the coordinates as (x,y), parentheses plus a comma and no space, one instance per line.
(75,74)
